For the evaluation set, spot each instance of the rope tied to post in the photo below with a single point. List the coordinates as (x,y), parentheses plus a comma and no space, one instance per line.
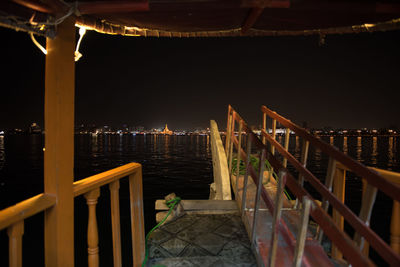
(171,204)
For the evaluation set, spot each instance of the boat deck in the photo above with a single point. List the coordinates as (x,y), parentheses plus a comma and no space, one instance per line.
(201,240)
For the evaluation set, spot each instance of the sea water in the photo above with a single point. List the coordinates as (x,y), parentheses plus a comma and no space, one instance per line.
(179,164)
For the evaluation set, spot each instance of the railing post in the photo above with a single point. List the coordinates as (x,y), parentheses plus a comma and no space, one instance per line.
(258,194)
(395,227)
(287,136)
(239,156)
(59,145)
(303,159)
(368,200)
(137,221)
(115,223)
(276,218)
(15,233)
(264,126)
(339,187)
(330,175)
(246,174)
(92,233)
(228,133)
(273,136)
(231,145)
(302,233)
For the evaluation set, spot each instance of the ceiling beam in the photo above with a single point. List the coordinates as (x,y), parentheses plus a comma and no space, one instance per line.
(34,5)
(251,19)
(265,3)
(257,7)
(101,7)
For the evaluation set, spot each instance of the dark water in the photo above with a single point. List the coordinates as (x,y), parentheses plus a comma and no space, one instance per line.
(180,164)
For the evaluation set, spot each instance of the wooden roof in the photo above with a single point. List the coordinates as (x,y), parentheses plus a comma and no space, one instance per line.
(205,18)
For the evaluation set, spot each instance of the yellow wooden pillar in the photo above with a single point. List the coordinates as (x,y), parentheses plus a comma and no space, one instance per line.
(59,145)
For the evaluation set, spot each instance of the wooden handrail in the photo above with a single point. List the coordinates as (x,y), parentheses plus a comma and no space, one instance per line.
(354,221)
(390,189)
(13,217)
(393,177)
(88,184)
(25,209)
(319,215)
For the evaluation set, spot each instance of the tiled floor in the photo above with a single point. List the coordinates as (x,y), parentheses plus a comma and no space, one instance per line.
(201,240)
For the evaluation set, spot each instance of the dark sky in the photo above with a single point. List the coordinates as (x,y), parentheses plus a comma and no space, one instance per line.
(352,81)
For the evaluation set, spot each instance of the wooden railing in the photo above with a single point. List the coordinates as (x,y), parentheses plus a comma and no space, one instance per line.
(13,217)
(220,168)
(331,227)
(339,189)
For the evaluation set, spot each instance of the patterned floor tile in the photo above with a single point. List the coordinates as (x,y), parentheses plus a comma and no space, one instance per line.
(174,246)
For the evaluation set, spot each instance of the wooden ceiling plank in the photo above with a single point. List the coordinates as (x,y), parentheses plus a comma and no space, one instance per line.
(251,19)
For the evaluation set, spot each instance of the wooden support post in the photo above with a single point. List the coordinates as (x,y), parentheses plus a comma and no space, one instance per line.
(15,232)
(264,127)
(258,194)
(277,218)
(59,145)
(339,187)
(137,221)
(303,159)
(302,233)
(330,175)
(246,175)
(228,134)
(92,232)
(368,200)
(231,145)
(273,136)
(115,223)
(395,227)
(287,136)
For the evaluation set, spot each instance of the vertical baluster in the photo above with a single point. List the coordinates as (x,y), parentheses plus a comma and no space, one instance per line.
(273,136)
(330,173)
(368,200)
(239,156)
(257,199)
(395,227)
(115,223)
(339,187)
(228,134)
(264,127)
(277,217)
(92,233)
(303,159)
(246,174)
(287,135)
(137,221)
(302,234)
(231,145)
(15,233)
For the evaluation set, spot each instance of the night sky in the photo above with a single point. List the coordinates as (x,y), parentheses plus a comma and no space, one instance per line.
(352,81)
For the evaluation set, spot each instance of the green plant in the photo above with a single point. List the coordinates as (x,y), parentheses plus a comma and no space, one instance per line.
(255,162)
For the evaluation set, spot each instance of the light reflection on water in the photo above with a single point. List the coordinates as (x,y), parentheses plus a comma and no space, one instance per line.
(2,152)
(359,148)
(374,154)
(180,164)
(391,160)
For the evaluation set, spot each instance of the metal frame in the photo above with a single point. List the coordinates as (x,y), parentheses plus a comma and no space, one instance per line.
(340,239)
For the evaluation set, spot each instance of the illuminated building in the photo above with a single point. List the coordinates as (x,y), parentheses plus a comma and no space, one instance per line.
(166,130)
